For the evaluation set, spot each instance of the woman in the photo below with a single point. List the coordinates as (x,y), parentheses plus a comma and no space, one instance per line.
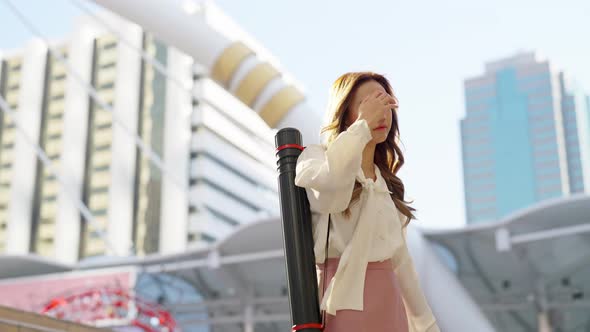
(354,193)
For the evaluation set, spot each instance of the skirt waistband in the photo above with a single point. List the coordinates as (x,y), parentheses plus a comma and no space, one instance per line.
(381,265)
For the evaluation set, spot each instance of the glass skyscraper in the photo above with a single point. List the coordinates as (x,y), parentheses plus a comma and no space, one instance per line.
(525,137)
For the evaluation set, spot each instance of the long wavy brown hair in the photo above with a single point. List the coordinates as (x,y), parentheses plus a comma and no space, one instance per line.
(388,155)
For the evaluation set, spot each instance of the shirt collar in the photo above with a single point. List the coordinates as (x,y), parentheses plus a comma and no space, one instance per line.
(379,185)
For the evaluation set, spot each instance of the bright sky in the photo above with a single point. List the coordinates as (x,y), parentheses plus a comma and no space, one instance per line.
(425,48)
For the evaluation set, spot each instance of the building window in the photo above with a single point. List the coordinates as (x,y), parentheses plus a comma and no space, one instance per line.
(58,97)
(106,86)
(109,45)
(101,212)
(107,65)
(59,77)
(207,238)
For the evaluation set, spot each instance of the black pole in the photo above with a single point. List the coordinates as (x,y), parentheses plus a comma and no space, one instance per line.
(297,235)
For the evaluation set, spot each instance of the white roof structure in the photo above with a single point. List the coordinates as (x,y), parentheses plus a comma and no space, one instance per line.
(14,266)
(533,265)
(519,273)
(241,279)
(241,282)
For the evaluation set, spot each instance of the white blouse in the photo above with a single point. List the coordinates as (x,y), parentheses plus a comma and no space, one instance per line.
(372,233)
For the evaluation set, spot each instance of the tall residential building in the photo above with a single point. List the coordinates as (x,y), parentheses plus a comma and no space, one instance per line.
(525,137)
(10,83)
(218,154)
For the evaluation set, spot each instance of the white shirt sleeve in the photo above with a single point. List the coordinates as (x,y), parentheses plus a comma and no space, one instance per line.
(420,317)
(329,174)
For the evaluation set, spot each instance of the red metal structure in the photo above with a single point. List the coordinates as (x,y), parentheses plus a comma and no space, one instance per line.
(111,307)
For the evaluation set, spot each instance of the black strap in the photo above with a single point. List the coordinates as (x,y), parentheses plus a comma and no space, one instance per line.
(325,271)
(327,238)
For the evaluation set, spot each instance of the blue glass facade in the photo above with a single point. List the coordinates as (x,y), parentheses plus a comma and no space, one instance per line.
(512,145)
(516,138)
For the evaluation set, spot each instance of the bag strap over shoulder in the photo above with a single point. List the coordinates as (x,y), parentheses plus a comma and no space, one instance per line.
(325,269)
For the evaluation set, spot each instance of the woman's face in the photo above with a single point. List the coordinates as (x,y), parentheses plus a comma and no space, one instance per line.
(363,91)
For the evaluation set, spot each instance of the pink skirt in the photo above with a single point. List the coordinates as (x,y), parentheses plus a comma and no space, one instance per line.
(383,308)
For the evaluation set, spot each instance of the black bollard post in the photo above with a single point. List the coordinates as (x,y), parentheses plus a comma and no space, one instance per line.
(297,236)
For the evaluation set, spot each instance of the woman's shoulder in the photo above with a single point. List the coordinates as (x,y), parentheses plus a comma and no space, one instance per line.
(315,147)
(313,151)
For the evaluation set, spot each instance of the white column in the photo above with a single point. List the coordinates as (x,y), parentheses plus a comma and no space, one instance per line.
(541,301)
(176,153)
(75,130)
(25,158)
(249,317)
(543,322)
(248,299)
(126,109)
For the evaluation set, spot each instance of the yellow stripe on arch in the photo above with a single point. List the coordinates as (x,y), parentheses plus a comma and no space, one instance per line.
(256,79)
(278,106)
(228,62)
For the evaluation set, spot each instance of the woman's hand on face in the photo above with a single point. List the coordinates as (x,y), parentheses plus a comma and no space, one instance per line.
(374,107)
